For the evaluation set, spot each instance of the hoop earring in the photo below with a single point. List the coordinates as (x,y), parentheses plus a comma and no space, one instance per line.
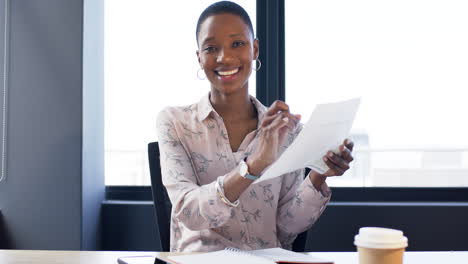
(259,64)
(198,74)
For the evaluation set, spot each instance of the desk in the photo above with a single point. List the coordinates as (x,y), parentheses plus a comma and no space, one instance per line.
(110,257)
(68,257)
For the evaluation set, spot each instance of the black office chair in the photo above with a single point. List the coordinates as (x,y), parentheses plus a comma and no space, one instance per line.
(163,206)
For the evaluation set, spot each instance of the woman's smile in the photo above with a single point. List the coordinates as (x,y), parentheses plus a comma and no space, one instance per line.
(228,74)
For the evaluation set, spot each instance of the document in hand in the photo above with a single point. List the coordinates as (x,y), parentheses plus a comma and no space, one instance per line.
(236,256)
(327,128)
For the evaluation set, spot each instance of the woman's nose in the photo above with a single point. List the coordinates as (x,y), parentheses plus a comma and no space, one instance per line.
(224,56)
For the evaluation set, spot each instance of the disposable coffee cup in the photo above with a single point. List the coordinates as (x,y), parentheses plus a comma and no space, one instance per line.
(377,245)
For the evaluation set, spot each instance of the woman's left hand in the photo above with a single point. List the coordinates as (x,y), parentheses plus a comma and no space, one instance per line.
(338,164)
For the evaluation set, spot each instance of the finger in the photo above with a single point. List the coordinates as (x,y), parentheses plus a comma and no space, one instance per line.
(279,122)
(349,144)
(338,161)
(289,125)
(334,169)
(294,119)
(346,153)
(277,106)
(280,106)
(269,119)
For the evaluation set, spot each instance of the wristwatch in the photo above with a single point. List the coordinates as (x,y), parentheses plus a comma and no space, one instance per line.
(244,171)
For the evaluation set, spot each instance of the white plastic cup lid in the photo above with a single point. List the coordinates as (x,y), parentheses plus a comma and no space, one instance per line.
(379,237)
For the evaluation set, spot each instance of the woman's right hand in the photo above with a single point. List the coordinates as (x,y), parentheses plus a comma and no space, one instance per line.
(275,126)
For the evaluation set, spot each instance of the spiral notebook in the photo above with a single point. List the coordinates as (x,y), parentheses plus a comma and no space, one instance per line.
(261,256)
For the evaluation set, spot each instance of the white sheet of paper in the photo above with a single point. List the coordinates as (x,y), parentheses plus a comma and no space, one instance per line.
(327,128)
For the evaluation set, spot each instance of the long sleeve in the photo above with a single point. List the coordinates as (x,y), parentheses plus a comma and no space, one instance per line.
(196,207)
(299,206)
(300,203)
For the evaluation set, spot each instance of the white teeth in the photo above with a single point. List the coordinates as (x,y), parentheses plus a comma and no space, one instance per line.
(224,73)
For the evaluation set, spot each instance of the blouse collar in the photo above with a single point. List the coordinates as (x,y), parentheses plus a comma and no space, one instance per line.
(205,108)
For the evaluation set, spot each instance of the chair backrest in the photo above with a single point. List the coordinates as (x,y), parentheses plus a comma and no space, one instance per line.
(163,206)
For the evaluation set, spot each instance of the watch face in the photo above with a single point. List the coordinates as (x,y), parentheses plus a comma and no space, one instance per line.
(243,169)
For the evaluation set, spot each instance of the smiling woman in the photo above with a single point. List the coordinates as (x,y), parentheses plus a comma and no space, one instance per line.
(213,151)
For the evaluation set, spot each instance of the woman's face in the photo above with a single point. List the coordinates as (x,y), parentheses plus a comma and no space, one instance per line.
(226,52)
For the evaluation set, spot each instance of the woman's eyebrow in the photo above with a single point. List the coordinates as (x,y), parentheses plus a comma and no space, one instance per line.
(231,36)
(207,40)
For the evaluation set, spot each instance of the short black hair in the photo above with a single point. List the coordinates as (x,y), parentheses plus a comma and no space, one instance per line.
(224,7)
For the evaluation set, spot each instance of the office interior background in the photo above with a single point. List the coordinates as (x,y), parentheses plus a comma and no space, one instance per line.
(84,80)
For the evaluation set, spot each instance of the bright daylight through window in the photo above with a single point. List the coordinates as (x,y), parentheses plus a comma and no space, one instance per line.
(408,61)
(150,63)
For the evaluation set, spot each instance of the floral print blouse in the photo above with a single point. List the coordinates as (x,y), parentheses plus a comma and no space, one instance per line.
(195,157)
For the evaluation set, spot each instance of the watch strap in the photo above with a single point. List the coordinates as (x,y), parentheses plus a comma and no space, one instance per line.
(248,175)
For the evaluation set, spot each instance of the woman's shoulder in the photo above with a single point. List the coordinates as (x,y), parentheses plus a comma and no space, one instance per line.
(177,113)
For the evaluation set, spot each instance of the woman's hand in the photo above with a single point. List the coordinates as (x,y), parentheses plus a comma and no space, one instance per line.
(338,164)
(273,131)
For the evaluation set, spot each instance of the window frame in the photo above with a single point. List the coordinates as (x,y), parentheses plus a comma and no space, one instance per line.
(271,87)
(339,194)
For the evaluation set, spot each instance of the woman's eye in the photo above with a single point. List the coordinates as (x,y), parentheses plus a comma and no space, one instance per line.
(238,43)
(209,49)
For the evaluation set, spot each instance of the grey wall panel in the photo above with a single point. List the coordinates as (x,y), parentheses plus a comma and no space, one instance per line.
(42,198)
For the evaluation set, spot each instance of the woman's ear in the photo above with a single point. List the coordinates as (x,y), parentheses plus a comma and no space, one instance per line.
(256,48)
(199,60)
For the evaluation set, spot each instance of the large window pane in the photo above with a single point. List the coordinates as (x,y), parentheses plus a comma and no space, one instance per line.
(150,63)
(408,61)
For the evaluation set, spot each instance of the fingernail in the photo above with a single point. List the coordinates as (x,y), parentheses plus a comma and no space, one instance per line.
(286,119)
(330,154)
(324,158)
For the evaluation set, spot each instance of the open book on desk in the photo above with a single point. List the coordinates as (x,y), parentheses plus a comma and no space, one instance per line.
(236,256)
(227,256)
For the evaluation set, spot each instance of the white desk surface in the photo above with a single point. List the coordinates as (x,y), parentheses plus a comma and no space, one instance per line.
(104,257)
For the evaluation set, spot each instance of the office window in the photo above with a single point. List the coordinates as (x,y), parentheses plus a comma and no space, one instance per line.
(150,63)
(408,61)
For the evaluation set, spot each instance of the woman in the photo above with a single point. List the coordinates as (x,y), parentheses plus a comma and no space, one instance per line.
(212,151)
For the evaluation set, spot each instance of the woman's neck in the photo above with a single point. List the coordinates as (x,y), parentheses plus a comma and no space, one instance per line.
(233,107)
